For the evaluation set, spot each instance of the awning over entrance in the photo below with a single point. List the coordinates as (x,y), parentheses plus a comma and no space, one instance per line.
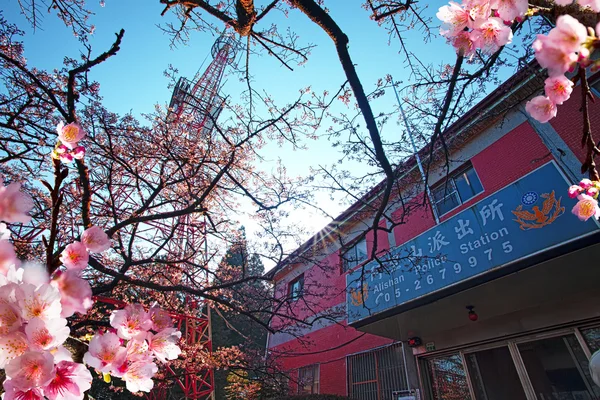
(562,290)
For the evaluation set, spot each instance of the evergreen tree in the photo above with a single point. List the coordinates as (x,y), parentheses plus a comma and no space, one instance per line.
(228,327)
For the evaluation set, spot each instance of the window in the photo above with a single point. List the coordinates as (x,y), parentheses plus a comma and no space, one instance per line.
(462,185)
(355,255)
(554,367)
(296,288)
(448,379)
(596,87)
(377,374)
(308,379)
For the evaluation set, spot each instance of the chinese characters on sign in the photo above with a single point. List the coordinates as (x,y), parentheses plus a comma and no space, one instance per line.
(479,239)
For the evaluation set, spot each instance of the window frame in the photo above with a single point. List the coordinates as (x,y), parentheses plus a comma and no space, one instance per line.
(353,245)
(450,188)
(291,294)
(510,341)
(595,87)
(389,375)
(316,381)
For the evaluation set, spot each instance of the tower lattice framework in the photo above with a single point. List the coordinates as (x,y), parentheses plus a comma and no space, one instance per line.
(197,104)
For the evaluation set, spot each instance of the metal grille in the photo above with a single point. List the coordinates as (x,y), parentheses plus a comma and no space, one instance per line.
(376,374)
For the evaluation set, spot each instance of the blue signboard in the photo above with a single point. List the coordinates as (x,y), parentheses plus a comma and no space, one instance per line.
(526,217)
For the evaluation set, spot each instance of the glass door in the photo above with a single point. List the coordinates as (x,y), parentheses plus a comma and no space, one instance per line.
(494,376)
(558,369)
(552,368)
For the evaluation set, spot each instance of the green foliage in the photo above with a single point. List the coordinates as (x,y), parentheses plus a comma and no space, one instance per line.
(230,328)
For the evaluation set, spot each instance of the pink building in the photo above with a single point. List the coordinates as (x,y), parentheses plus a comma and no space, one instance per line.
(496,299)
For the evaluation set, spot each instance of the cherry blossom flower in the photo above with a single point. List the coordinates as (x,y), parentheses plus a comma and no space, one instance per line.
(508,10)
(552,57)
(35,274)
(586,183)
(95,240)
(70,382)
(164,344)
(569,34)
(479,10)
(105,352)
(586,208)
(464,42)
(12,345)
(75,256)
(138,350)
(31,369)
(45,335)
(541,108)
(160,319)
(78,152)
(130,322)
(138,377)
(61,354)
(66,158)
(70,134)
(14,204)
(592,192)
(558,89)
(42,302)
(10,320)
(8,256)
(574,191)
(492,34)
(14,393)
(454,18)
(61,149)
(75,293)
(563,3)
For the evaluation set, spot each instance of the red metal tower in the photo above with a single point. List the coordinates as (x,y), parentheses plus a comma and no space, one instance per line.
(197,104)
(199,100)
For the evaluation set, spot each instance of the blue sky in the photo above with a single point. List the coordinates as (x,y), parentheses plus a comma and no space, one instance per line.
(134,80)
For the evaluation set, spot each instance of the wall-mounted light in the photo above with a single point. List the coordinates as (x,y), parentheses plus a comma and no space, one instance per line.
(472,314)
(414,341)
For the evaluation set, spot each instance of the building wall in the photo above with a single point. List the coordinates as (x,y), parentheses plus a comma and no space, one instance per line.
(502,154)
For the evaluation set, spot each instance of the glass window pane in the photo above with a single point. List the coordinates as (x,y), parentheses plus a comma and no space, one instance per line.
(554,370)
(468,184)
(592,337)
(308,381)
(361,251)
(583,363)
(494,376)
(443,190)
(355,255)
(447,204)
(448,378)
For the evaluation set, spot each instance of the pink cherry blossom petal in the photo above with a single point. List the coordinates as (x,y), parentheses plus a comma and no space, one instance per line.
(75,293)
(95,240)
(70,381)
(586,208)
(558,89)
(541,108)
(31,369)
(131,322)
(75,256)
(14,204)
(70,134)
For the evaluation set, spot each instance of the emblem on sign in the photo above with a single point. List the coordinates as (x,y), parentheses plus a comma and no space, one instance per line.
(536,218)
(358,295)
